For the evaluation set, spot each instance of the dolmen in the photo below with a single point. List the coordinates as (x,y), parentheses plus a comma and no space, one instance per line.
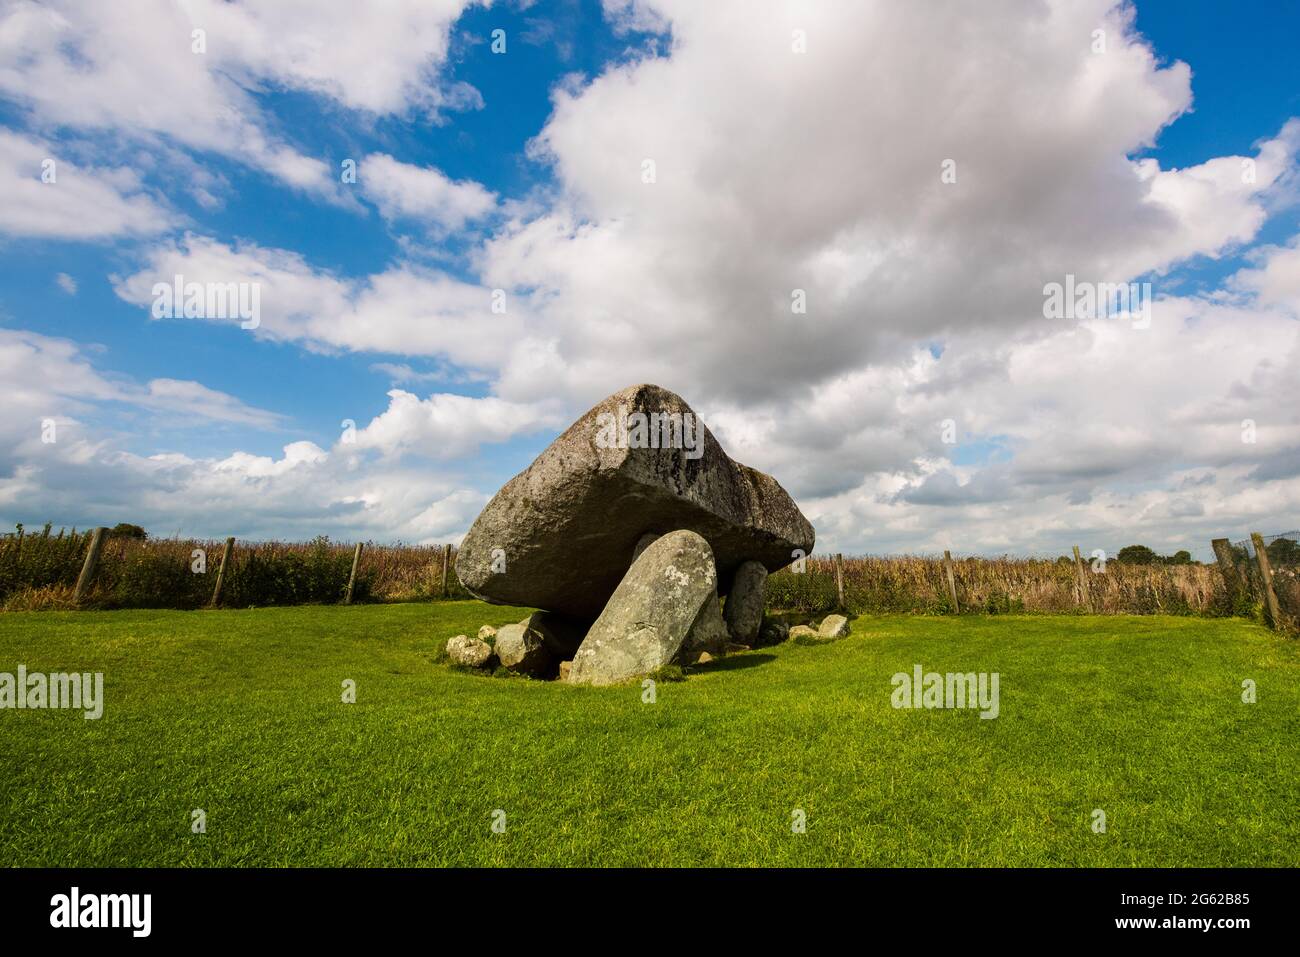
(626,532)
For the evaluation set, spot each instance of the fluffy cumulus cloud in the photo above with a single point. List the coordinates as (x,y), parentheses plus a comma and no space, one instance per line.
(46,197)
(705,191)
(1276,281)
(61,458)
(775,171)
(189,73)
(447,426)
(1097,430)
(406,309)
(828,226)
(403,191)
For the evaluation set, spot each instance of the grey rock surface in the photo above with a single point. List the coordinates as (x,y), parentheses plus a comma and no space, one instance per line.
(467,651)
(523,650)
(708,633)
(650,613)
(833,626)
(744,611)
(568,525)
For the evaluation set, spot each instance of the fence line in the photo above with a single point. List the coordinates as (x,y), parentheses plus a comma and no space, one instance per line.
(1248,544)
(122,572)
(97,569)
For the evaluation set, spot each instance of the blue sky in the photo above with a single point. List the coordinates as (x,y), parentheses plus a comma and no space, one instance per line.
(811,171)
(1246,81)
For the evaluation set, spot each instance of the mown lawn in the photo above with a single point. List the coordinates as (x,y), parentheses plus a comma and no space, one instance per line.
(240,713)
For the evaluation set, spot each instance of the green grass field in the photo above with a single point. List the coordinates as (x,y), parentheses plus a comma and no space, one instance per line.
(240,713)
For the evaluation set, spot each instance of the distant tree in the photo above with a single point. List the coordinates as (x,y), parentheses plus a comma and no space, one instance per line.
(125,530)
(1180,558)
(1137,555)
(1283,551)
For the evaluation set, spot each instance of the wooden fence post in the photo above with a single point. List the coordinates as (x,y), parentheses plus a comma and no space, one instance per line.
(88,566)
(446,562)
(352,579)
(1232,578)
(1085,595)
(839,581)
(952,581)
(1266,575)
(221,572)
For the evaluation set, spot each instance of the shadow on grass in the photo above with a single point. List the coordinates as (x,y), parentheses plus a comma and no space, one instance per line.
(733,663)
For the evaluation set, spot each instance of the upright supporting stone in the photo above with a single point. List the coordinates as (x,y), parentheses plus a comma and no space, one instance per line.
(221,572)
(642,543)
(952,581)
(352,578)
(87,575)
(744,611)
(708,634)
(646,620)
(1266,577)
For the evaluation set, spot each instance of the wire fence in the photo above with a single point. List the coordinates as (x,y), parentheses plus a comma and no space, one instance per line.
(49,569)
(41,570)
(1285,553)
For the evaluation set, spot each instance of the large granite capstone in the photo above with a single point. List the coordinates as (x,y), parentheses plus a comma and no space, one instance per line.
(561,534)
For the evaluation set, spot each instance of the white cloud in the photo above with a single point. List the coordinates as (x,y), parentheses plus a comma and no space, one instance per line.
(51,379)
(396,480)
(263,466)
(382,59)
(401,190)
(777,171)
(72,201)
(304,492)
(192,397)
(1276,281)
(1217,203)
(131,68)
(66,283)
(447,426)
(405,310)
(766,185)
(1095,434)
